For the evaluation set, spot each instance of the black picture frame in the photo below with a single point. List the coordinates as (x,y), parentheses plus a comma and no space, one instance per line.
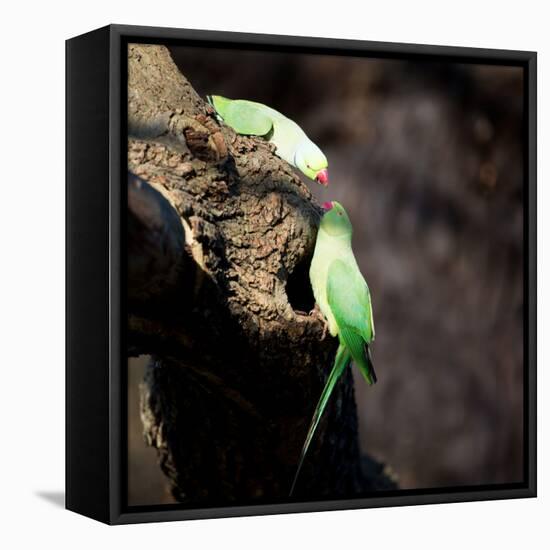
(95,214)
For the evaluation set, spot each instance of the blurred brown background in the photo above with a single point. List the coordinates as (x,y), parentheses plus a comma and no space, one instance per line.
(427,159)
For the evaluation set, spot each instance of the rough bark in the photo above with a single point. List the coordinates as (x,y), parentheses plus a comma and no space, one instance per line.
(221,233)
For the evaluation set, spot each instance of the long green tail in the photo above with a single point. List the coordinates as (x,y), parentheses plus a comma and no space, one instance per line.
(342,359)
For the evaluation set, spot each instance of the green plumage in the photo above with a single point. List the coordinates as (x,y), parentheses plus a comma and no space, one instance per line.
(245,117)
(291,142)
(349,301)
(344,299)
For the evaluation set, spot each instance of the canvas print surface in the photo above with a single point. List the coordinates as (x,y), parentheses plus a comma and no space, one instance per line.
(325,276)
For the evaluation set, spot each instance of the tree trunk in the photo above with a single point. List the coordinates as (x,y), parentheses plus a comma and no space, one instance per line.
(220,236)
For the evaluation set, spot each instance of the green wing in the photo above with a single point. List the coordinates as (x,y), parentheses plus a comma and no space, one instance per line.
(348,297)
(245,117)
(341,361)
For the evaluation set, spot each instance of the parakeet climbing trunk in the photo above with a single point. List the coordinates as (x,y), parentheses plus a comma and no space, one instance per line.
(220,235)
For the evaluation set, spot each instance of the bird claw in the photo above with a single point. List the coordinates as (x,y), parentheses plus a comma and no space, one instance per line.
(316,313)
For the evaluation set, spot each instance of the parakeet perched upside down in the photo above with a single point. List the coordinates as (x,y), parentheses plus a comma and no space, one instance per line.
(344,299)
(254,119)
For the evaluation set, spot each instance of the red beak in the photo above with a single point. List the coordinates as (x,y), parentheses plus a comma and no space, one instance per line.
(322,177)
(327,206)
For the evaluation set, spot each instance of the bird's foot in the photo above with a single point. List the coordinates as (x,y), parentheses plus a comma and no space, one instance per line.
(316,314)
(325,329)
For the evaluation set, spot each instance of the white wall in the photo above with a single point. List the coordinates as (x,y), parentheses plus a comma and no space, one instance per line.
(32,245)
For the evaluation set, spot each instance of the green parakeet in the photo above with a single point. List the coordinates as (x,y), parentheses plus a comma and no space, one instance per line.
(344,299)
(254,119)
